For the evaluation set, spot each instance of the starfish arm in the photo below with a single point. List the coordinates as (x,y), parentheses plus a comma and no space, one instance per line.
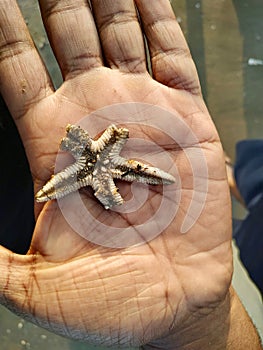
(109,138)
(63,183)
(76,141)
(105,190)
(132,170)
(115,149)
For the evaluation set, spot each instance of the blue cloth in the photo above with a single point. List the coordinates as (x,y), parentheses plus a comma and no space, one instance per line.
(249,233)
(249,170)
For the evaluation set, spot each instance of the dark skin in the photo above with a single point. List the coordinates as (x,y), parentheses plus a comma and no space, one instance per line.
(65,281)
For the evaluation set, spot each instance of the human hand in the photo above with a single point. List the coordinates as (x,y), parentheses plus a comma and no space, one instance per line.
(65,283)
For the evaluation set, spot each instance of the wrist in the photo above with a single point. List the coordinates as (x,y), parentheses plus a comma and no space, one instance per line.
(227,327)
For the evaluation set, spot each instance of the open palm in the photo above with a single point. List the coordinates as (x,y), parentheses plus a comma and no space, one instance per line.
(66,283)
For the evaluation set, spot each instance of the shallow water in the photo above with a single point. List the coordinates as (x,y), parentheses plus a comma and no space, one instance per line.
(226,41)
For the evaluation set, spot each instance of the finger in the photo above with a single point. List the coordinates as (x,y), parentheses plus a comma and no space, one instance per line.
(171,60)
(13,278)
(23,77)
(120,34)
(72,34)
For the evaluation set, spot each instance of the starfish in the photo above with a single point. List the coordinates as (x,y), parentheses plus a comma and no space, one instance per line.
(97,164)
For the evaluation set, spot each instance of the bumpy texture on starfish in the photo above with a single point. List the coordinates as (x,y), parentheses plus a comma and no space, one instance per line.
(98,162)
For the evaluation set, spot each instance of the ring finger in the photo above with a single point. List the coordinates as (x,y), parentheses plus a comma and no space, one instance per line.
(120,34)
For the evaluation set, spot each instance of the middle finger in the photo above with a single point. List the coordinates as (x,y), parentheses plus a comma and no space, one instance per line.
(72,34)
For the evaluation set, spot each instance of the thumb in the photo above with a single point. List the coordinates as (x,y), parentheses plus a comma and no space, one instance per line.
(14,279)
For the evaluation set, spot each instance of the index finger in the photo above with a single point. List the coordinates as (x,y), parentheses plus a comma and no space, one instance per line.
(23,76)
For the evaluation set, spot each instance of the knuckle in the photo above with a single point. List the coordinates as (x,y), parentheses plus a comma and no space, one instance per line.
(13,48)
(54,7)
(123,18)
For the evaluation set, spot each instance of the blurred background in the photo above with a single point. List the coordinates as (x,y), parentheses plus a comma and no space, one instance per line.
(226,41)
